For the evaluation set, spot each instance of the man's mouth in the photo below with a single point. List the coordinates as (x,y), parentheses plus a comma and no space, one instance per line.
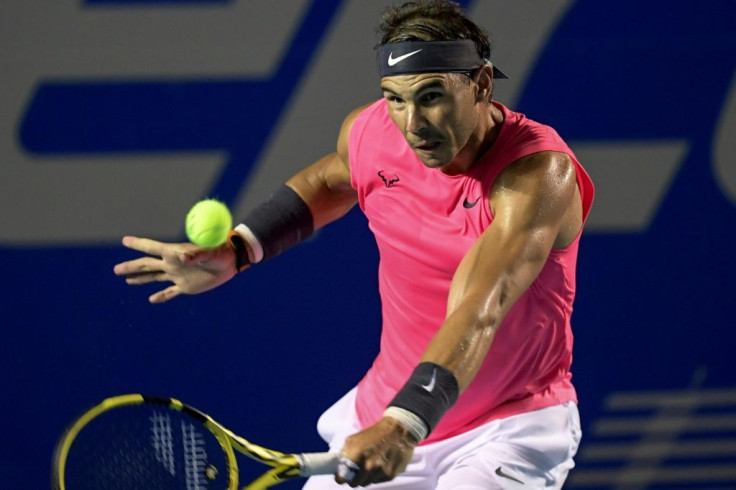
(429,146)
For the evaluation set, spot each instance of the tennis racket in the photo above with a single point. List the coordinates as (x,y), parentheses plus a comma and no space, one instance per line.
(143,442)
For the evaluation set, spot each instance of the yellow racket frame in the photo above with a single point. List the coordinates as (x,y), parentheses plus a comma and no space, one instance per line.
(284,466)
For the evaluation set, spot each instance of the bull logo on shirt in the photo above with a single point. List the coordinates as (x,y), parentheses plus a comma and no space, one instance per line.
(388,179)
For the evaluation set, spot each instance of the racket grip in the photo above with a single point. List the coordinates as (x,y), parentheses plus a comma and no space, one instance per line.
(318,463)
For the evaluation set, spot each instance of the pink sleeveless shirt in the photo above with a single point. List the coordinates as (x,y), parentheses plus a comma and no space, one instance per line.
(424,222)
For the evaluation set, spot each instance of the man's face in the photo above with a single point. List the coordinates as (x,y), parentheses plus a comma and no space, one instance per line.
(437,114)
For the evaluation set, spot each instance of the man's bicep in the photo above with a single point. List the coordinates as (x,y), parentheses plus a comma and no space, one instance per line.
(325,187)
(336,173)
(534,194)
(528,201)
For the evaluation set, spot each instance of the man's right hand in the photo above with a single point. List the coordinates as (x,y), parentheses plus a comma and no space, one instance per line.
(191,269)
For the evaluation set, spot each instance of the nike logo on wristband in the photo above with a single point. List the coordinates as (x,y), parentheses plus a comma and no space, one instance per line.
(392,61)
(500,473)
(430,387)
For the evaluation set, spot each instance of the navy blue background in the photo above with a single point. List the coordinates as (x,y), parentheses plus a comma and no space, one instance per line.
(265,354)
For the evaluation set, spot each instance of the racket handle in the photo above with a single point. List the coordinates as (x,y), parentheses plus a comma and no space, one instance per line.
(318,463)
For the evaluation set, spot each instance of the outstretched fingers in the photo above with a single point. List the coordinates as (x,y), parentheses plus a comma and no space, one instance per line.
(146,278)
(191,269)
(143,265)
(165,295)
(145,245)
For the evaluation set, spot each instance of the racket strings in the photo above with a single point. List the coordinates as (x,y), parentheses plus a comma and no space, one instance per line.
(161,448)
(163,441)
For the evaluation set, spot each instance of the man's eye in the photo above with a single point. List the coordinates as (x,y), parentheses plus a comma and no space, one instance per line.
(431,96)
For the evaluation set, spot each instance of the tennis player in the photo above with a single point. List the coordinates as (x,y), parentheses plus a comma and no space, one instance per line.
(477,212)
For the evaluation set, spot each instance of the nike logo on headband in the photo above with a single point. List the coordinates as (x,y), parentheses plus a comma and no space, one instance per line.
(392,61)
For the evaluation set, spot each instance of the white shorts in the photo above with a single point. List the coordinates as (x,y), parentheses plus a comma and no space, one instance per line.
(527,451)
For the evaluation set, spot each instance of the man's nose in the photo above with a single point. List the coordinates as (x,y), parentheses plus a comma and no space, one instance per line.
(415,121)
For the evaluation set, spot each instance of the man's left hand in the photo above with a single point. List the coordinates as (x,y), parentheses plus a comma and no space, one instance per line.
(382,451)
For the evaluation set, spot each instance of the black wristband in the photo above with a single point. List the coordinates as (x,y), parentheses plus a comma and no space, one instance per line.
(242,261)
(429,393)
(280,222)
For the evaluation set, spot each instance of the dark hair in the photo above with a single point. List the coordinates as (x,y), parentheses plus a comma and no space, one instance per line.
(439,20)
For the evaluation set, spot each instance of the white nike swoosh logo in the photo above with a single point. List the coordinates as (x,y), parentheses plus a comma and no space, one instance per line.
(430,387)
(392,61)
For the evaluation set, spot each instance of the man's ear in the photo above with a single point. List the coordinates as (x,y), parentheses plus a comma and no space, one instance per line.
(485,83)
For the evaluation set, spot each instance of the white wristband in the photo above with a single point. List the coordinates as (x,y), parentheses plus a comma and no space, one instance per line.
(408,420)
(252,241)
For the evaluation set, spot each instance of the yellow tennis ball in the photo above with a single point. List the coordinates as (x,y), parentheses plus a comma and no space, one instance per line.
(208,223)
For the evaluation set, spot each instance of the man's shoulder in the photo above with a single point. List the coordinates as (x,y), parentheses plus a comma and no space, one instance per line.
(369,123)
(522,136)
(349,123)
(527,130)
(362,114)
(375,108)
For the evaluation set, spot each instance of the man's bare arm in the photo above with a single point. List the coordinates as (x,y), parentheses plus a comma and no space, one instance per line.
(531,201)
